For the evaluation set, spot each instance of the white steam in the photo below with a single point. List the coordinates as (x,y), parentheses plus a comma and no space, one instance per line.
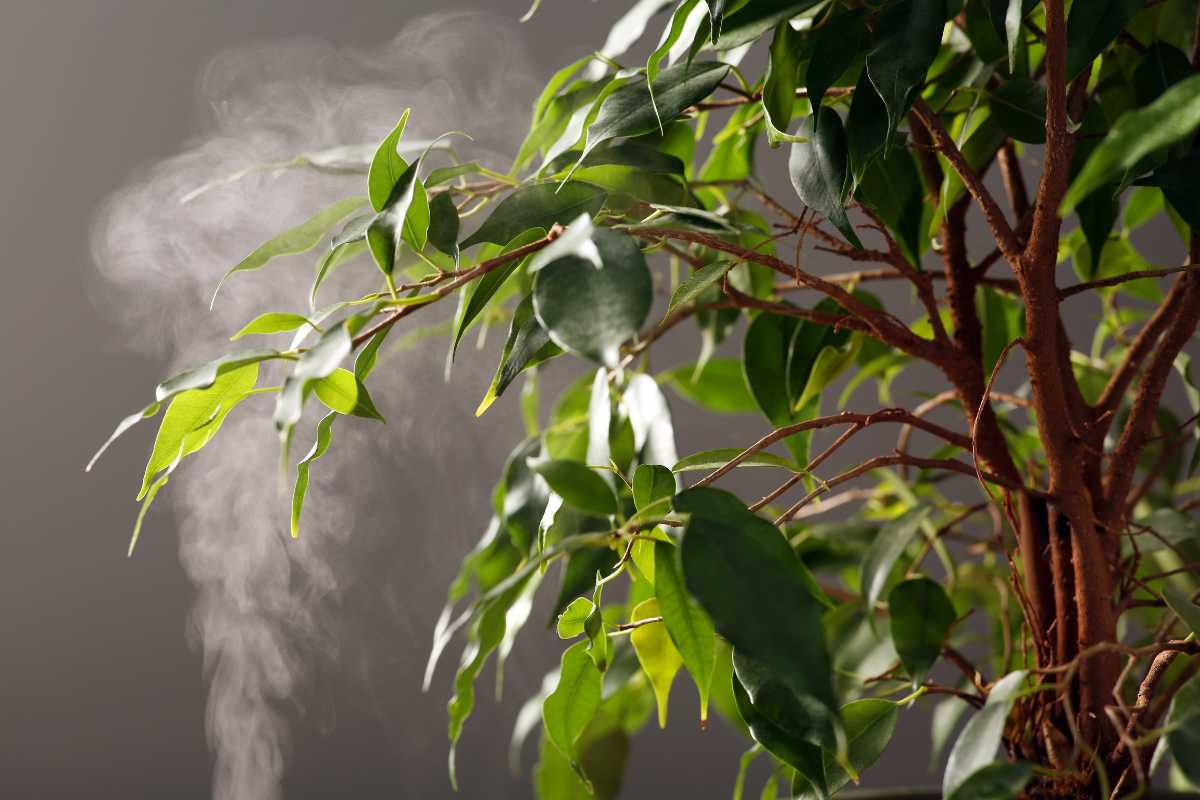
(265,602)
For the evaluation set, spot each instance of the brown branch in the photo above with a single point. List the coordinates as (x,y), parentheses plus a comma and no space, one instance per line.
(992,214)
(1071,291)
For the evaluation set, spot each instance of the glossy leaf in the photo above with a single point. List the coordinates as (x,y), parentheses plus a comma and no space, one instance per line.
(594,311)
(1019,108)
(921,615)
(1136,134)
(836,45)
(977,744)
(907,36)
(387,165)
(868,726)
(766,728)
(539,205)
(723,543)
(747,21)
(652,484)
(444,224)
(1183,729)
(631,110)
(478,295)
(819,170)
(528,344)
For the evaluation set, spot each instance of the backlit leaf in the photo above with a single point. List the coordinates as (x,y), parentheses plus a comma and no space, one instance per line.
(573,703)
(581,487)
(655,652)
(687,624)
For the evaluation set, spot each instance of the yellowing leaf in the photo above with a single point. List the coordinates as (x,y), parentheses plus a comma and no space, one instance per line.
(658,657)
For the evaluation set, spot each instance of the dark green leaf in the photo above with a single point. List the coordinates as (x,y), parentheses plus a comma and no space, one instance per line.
(907,36)
(724,543)
(1187,611)
(527,345)
(868,725)
(594,311)
(752,19)
(1136,134)
(443,224)
(577,485)
(1019,108)
(779,87)
(540,205)
(477,295)
(765,352)
(921,616)
(716,11)
(763,720)
(1160,67)
(1001,781)
(866,126)
(695,285)
(818,170)
(1092,26)
(1183,729)
(892,187)
(630,111)
(836,45)
(1177,179)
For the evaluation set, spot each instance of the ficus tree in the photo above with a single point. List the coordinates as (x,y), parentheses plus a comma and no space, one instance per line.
(1040,470)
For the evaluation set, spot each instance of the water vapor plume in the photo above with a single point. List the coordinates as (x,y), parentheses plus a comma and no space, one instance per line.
(266,605)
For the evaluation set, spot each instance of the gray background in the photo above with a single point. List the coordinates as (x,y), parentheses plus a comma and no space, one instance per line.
(100,693)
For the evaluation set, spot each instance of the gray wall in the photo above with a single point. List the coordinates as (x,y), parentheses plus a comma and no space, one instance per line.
(100,692)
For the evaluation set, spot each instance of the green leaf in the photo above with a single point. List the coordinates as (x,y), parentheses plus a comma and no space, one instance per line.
(317,362)
(1160,67)
(271,322)
(338,255)
(1014,12)
(570,621)
(527,345)
(443,224)
(1135,135)
(573,703)
(908,34)
(338,390)
(768,727)
(477,295)
(921,616)
(1177,180)
(205,375)
(594,311)
(655,652)
(384,232)
(1183,729)
(716,13)
(680,20)
(836,45)
(869,726)
(1187,611)
(946,715)
(1001,781)
(632,110)
(779,88)
(652,483)
(891,541)
(1092,26)
(818,169)
(540,205)
(866,126)
(579,486)
(574,242)
(300,239)
(387,165)
(1019,108)
(193,417)
(976,745)
(691,288)
(122,426)
(765,352)
(720,386)
(319,448)
(687,624)
(750,20)
(715,459)
(892,188)
(724,543)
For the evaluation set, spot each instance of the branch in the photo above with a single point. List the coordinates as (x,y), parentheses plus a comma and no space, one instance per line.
(1079,288)
(481,269)
(894,415)
(992,214)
